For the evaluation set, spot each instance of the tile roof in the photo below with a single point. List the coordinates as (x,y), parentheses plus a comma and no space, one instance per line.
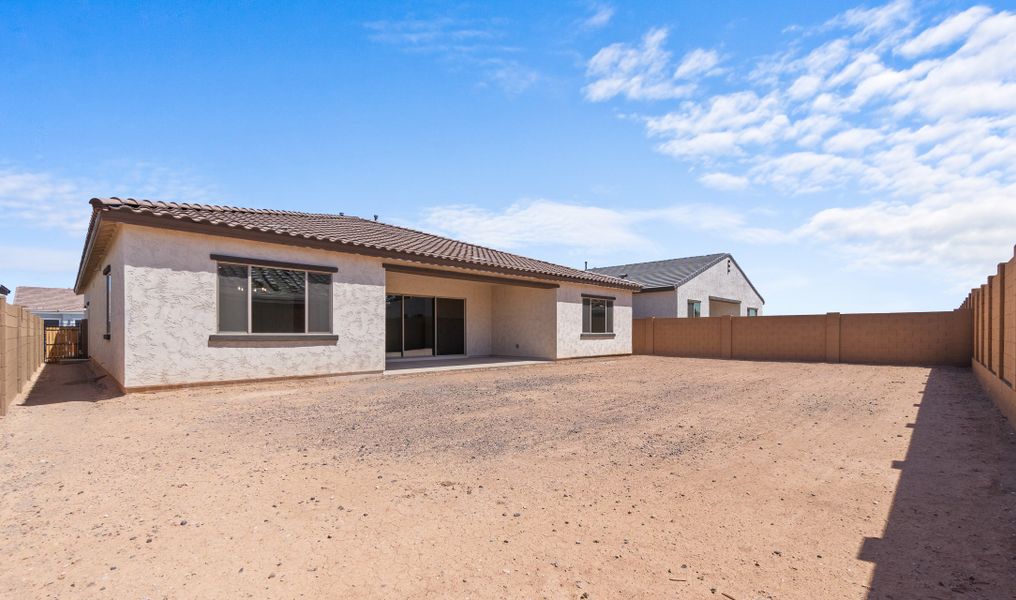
(49,299)
(664,273)
(672,272)
(351,234)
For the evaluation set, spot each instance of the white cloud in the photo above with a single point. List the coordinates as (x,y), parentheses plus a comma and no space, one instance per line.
(37,259)
(534,222)
(42,199)
(945,33)
(638,73)
(697,62)
(549,223)
(602,14)
(476,44)
(724,181)
(852,140)
(915,121)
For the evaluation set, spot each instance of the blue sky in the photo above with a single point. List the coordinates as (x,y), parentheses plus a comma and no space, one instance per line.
(853,157)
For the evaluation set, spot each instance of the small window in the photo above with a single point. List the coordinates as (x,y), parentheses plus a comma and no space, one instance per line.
(752,312)
(597,315)
(107,272)
(694,308)
(255,299)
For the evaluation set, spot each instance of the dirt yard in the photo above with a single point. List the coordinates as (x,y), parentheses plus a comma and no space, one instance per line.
(637,477)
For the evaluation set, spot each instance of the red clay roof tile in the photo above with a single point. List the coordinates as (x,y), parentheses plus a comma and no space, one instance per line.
(354,231)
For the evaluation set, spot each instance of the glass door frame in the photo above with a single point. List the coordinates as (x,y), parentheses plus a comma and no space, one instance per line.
(402,324)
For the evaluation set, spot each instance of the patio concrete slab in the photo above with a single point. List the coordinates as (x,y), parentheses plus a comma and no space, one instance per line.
(429,365)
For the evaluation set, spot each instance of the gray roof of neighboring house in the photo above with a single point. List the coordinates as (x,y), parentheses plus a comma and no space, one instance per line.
(339,232)
(671,272)
(48,299)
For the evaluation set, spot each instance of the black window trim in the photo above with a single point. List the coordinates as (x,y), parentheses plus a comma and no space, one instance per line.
(107,275)
(609,306)
(274,264)
(248,335)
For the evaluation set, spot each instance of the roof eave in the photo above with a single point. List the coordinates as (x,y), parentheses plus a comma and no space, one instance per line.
(86,252)
(103,211)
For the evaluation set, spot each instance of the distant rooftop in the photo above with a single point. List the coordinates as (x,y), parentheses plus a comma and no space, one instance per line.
(663,273)
(48,299)
(671,272)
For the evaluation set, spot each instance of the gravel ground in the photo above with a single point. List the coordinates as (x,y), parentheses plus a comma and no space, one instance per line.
(644,477)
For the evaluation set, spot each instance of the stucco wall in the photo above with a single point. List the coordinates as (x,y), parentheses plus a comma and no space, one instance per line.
(476,295)
(571,343)
(717,281)
(654,304)
(524,321)
(171,311)
(108,354)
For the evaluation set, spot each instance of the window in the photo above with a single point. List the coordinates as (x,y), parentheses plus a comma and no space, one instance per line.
(259,299)
(752,312)
(597,315)
(107,272)
(694,308)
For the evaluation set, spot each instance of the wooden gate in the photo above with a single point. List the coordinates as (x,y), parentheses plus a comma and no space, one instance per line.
(63,342)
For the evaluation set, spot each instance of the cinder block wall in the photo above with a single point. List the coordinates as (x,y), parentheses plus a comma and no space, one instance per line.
(993,307)
(800,338)
(21,352)
(684,337)
(932,338)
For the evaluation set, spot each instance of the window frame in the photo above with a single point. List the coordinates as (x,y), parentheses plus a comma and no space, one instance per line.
(694,314)
(248,264)
(107,273)
(608,316)
(752,312)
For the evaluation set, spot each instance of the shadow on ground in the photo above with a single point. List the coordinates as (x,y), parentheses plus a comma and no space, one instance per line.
(70,382)
(951,531)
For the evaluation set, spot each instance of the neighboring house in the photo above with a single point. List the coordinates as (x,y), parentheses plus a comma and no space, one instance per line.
(698,286)
(55,306)
(186,293)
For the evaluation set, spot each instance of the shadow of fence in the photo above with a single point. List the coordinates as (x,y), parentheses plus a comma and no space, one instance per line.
(951,530)
(69,382)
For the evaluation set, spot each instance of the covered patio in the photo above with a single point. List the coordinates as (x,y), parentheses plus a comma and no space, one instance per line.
(441,319)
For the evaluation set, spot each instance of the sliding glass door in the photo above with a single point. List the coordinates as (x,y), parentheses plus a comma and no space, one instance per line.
(451,326)
(418,326)
(393,325)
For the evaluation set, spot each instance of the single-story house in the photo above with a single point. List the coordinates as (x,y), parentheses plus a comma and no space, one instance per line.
(183,294)
(55,306)
(713,285)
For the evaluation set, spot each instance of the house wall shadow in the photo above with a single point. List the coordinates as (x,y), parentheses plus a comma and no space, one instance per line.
(951,530)
(70,382)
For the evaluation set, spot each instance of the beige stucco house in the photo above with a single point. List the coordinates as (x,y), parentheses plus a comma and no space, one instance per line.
(697,286)
(181,294)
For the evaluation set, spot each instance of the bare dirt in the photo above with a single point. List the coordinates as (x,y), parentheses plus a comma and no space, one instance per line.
(635,477)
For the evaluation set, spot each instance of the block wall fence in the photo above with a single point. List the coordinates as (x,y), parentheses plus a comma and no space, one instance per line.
(21,351)
(993,305)
(925,338)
